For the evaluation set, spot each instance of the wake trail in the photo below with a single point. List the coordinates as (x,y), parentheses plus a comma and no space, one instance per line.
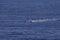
(44,20)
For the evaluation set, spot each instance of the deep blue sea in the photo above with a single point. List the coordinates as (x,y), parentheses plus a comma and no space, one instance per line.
(14,16)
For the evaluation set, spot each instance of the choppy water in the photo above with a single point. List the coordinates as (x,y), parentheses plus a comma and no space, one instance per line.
(14,16)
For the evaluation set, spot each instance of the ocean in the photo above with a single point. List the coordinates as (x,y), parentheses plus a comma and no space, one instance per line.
(15,16)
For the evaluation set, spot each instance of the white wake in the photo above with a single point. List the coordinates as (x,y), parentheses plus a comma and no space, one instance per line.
(45,20)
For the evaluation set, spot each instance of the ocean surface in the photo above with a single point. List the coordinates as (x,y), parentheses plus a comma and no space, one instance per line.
(15,15)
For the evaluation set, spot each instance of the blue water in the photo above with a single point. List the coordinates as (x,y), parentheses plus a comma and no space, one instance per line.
(14,16)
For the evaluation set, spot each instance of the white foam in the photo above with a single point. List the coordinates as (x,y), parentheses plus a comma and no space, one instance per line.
(45,20)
